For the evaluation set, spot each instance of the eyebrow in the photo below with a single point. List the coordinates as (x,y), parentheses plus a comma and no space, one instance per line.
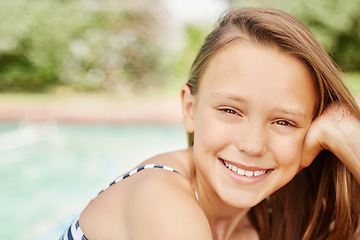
(243,100)
(291,112)
(230,97)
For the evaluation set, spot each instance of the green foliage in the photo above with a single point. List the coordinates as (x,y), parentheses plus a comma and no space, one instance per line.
(195,36)
(335,23)
(353,80)
(112,45)
(81,44)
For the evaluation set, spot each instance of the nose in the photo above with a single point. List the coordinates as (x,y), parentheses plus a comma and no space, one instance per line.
(252,140)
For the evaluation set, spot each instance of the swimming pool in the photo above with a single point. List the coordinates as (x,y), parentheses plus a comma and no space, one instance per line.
(49,172)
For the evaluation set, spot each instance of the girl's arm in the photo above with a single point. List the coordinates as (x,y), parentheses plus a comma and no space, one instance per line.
(338,131)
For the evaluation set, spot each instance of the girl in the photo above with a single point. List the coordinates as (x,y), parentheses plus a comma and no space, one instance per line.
(274,152)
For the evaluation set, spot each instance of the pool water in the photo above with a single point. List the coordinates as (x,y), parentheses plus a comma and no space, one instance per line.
(49,172)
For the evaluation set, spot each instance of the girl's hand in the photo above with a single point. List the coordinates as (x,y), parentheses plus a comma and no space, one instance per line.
(338,131)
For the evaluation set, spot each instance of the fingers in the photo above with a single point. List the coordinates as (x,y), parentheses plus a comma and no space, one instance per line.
(312,143)
(321,132)
(338,131)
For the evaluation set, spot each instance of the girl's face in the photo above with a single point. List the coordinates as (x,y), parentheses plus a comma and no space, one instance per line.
(250,117)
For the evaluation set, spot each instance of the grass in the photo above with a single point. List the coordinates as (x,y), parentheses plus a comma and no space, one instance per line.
(63,95)
(168,91)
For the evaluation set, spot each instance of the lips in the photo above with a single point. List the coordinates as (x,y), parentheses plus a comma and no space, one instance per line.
(250,172)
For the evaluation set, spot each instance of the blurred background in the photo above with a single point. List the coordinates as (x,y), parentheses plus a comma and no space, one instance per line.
(90,88)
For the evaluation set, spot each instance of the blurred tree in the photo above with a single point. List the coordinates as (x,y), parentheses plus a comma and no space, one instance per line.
(90,44)
(335,23)
(194,37)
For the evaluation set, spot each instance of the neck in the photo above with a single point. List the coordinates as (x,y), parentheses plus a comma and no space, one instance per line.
(226,227)
(224,220)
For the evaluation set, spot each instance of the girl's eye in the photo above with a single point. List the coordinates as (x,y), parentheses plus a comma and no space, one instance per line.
(228,110)
(285,123)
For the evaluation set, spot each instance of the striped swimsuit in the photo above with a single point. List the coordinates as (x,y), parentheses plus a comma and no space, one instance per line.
(74,232)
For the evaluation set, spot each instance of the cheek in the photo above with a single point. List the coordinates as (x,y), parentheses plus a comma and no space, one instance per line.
(210,133)
(288,150)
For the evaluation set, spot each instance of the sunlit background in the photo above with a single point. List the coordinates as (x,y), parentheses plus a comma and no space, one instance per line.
(90,88)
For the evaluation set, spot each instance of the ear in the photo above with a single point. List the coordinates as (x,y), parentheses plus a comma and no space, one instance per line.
(187,100)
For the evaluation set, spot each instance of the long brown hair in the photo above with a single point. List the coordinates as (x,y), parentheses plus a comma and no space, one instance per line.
(323,200)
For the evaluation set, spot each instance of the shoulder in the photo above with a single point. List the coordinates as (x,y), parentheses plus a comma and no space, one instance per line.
(164,207)
(152,204)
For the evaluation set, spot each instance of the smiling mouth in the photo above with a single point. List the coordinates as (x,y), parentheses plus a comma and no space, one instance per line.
(243,172)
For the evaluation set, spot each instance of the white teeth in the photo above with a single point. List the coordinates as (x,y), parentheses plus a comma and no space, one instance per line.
(258,173)
(242,171)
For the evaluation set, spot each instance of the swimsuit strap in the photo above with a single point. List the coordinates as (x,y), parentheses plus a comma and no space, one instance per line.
(75,232)
(148,166)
